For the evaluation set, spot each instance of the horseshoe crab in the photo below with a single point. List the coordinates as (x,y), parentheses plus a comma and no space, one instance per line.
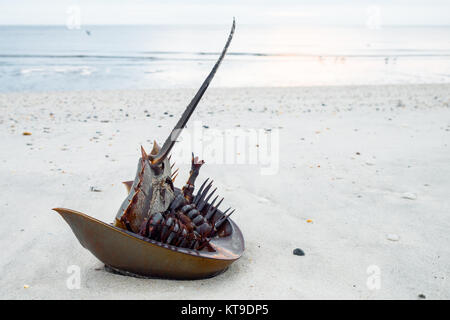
(160,230)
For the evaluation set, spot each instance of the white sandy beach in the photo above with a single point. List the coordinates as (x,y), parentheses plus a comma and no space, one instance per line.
(363,184)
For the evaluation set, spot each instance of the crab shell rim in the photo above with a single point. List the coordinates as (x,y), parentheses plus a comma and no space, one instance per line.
(133,254)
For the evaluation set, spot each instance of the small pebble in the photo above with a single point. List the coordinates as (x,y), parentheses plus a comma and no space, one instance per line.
(26,286)
(95,189)
(409,195)
(309,220)
(422,296)
(393,237)
(298,252)
(26,133)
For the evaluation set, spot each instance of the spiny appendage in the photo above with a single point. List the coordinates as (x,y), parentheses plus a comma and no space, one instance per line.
(188,224)
(188,188)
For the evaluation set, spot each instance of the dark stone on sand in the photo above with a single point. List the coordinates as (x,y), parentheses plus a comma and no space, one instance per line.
(95,189)
(422,296)
(298,252)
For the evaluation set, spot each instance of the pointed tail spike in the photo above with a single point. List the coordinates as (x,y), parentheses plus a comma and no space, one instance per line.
(173,136)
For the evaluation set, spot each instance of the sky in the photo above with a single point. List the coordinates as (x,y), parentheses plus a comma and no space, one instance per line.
(308,12)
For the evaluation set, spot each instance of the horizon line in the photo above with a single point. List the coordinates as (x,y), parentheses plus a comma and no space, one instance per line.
(222,24)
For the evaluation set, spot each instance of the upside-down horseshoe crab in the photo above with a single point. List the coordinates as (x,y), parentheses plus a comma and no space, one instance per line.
(160,230)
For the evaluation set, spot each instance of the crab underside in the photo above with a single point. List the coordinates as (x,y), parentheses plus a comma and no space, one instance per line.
(160,230)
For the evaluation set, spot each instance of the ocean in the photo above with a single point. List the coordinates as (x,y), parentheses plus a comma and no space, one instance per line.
(55,58)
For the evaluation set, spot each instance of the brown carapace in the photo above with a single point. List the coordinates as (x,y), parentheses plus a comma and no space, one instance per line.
(155,209)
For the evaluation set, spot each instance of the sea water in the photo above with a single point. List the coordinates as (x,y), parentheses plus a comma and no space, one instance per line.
(53,58)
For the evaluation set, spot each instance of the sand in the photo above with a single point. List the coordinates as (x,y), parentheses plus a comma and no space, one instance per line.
(362,187)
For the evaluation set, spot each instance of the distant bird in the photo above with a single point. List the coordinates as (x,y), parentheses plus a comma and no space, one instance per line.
(88,32)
